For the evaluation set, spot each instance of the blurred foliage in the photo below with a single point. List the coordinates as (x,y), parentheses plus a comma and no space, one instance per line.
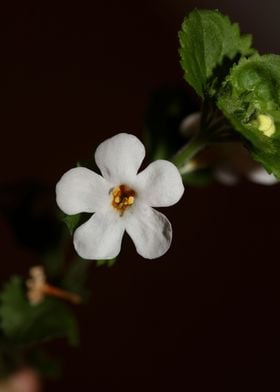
(31,211)
(76,277)
(25,324)
(32,214)
(198,178)
(107,263)
(44,364)
(166,110)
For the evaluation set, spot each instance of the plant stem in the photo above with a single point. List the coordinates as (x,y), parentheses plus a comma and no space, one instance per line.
(189,151)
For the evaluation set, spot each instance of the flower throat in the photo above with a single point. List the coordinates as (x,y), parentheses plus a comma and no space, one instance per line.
(123,197)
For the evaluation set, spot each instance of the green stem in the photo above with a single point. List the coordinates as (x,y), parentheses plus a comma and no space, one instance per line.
(189,151)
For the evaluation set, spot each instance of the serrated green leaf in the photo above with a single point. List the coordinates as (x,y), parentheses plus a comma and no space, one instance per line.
(250,99)
(206,38)
(25,324)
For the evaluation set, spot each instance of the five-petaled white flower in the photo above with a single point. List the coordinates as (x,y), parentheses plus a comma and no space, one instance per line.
(121,200)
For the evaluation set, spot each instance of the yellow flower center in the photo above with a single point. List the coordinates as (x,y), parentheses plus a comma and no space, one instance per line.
(123,197)
(266,125)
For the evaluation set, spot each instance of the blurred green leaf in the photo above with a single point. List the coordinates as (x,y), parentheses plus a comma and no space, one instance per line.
(106,263)
(10,358)
(54,261)
(26,324)
(198,178)
(75,278)
(44,364)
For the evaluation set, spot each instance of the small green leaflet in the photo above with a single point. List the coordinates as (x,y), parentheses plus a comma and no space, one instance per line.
(206,38)
(107,263)
(73,221)
(250,99)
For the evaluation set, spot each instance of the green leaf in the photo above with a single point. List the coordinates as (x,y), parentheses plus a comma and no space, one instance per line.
(206,39)
(26,324)
(250,99)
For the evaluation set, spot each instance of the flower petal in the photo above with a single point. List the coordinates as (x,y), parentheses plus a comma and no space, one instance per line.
(100,237)
(150,231)
(120,157)
(260,176)
(81,190)
(160,184)
(226,175)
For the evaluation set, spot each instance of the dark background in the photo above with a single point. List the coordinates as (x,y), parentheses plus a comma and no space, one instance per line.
(204,316)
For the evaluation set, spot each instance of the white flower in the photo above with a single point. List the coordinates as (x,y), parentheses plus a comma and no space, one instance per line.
(121,200)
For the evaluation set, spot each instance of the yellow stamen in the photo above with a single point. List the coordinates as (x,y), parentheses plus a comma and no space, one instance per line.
(130,200)
(123,197)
